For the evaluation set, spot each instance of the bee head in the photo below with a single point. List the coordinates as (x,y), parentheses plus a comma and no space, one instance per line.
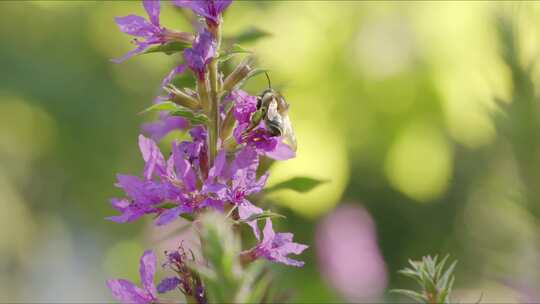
(265,97)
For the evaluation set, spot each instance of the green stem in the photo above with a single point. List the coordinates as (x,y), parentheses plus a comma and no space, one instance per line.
(191,300)
(202,89)
(214,100)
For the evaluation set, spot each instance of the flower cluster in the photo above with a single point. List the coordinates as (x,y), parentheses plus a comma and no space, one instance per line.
(216,170)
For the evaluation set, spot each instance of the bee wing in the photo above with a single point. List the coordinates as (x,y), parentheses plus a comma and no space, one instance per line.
(272,111)
(288,133)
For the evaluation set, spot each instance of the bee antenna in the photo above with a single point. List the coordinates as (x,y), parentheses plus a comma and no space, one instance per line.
(268,78)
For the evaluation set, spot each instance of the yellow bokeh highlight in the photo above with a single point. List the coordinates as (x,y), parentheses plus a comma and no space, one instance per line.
(321,154)
(460,43)
(419,163)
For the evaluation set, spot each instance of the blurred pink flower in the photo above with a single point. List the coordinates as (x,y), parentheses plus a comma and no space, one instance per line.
(348,254)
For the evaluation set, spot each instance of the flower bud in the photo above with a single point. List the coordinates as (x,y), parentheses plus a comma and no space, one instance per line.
(181,98)
(227,125)
(179,36)
(240,73)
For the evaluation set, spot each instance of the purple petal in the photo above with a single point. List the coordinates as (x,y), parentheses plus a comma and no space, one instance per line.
(291,247)
(184,170)
(135,25)
(141,48)
(168,284)
(245,210)
(268,232)
(176,71)
(276,247)
(144,193)
(120,204)
(198,133)
(199,56)
(126,292)
(210,9)
(244,106)
(148,270)
(152,8)
(221,5)
(257,186)
(152,156)
(219,164)
(288,261)
(246,158)
(134,187)
(169,216)
(281,152)
(216,204)
(166,124)
(219,190)
(198,7)
(128,215)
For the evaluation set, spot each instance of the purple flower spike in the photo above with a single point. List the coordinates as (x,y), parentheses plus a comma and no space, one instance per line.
(210,9)
(127,292)
(199,56)
(276,246)
(151,32)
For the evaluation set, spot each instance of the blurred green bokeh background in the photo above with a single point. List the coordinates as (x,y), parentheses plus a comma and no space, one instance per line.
(423,116)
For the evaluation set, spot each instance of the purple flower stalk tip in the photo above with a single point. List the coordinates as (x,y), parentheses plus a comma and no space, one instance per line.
(151,31)
(210,9)
(127,292)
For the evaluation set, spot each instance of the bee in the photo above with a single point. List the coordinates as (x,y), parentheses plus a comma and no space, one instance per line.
(273,110)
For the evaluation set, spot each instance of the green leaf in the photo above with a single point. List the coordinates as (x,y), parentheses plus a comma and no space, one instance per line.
(447,275)
(250,35)
(176,110)
(169,48)
(411,294)
(440,267)
(265,214)
(186,216)
(194,118)
(247,281)
(260,289)
(185,80)
(235,50)
(202,270)
(162,106)
(411,274)
(167,206)
(300,184)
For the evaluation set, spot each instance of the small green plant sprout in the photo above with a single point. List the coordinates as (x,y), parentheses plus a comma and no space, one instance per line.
(435,282)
